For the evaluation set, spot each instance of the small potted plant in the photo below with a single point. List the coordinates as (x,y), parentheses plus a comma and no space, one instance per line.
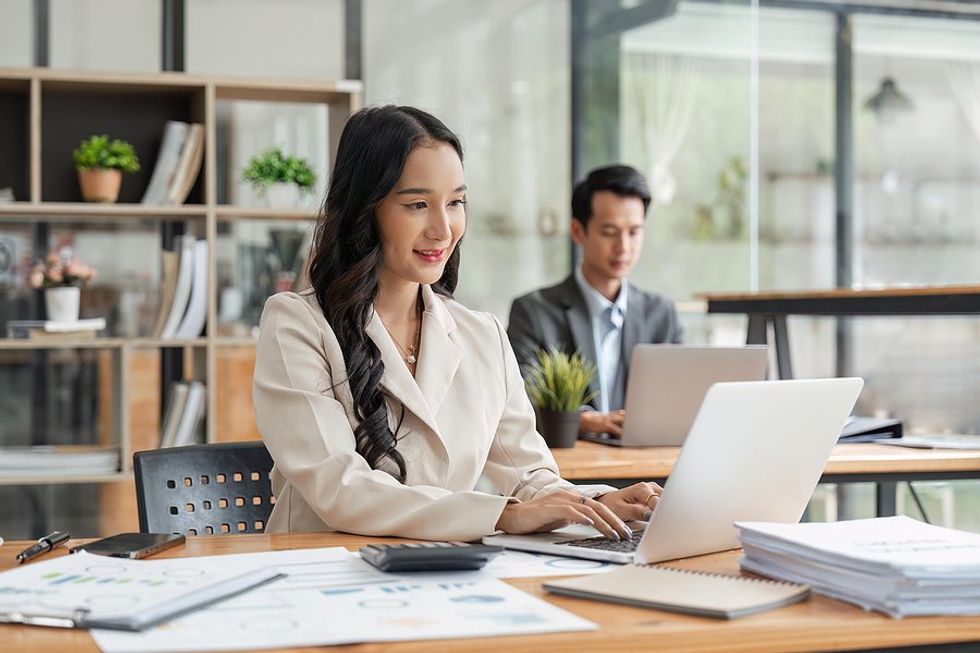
(279,178)
(62,278)
(100,163)
(558,385)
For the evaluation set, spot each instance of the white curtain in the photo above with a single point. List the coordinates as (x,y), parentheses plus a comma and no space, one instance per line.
(964,80)
(658,93)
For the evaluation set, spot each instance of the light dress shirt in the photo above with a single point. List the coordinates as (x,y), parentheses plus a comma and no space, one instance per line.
(607,330)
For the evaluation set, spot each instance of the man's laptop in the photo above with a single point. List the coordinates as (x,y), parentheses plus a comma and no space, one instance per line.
(667,384)
(755,453)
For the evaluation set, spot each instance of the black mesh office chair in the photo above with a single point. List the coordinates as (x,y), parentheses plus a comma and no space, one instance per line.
(207,489)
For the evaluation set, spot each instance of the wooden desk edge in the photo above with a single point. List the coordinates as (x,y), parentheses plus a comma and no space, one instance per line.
(819,623)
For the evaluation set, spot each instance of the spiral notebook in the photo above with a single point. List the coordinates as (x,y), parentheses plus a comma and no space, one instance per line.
(680,590)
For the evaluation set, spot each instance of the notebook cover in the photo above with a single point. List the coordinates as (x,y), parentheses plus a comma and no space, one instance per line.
(680,590)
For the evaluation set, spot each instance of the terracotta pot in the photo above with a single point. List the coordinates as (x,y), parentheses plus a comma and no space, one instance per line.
(99,185)
(560,429)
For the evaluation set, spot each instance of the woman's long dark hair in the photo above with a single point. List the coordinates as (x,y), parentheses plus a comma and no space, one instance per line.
(346,263)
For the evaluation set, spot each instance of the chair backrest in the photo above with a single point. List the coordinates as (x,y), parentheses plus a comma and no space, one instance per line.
(209,489)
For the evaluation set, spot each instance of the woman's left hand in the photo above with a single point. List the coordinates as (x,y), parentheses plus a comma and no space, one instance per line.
(634,502)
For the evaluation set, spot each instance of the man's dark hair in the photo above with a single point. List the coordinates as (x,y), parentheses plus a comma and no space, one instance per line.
(625,181)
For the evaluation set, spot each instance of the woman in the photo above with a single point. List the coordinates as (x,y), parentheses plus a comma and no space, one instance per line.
(382,400)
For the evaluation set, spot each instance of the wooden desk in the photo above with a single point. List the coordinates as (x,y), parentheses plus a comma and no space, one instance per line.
(818,624)
(589,462)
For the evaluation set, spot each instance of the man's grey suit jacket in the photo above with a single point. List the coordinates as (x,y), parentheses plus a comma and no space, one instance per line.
(557,317)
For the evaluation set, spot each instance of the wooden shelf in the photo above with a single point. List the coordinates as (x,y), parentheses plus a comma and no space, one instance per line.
(16,344)
(227,86)
(98,212)
(160,343)
(235,341)
(61,479)
(298,90)
(240,213)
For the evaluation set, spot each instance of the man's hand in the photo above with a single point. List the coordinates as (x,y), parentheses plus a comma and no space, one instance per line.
(591,421)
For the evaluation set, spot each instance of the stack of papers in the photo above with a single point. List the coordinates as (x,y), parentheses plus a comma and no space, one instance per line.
(945,441)
(68,459)
(894,565)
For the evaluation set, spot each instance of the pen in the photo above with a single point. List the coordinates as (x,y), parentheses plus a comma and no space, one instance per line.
(43,545)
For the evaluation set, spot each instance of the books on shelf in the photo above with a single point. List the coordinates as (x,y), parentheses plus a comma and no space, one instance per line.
(171,417)
(895,565)
(197,306)
(185,306)
(178,164)
(169,267)
(188,166)
(184,415)
(52,331)
(62,459)
(682,590)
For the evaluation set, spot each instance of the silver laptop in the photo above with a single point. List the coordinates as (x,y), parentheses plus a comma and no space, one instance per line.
(667,384)
(755,453)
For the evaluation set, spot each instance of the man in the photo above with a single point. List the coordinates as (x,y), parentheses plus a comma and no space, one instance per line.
(595,311)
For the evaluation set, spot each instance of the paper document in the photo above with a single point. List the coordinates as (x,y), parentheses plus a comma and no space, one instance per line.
(520,564)
(85,589)
(330,597)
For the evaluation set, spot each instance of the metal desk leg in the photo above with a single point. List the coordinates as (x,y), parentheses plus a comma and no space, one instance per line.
(756,333)
(886,493)
(783,361)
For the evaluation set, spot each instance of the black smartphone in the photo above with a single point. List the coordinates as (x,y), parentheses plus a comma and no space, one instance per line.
(131,545)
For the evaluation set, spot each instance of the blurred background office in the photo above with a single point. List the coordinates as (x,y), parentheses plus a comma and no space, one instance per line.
(790,144)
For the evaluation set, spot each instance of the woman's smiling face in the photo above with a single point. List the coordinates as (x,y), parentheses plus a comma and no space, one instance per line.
(422,219)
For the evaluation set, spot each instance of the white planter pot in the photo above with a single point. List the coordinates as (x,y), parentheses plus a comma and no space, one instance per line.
(282,196)
(62,303)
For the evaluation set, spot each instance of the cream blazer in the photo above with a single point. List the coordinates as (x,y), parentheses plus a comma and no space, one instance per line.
(466,414)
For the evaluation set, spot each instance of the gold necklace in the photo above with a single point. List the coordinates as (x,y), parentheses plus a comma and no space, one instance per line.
(409,353)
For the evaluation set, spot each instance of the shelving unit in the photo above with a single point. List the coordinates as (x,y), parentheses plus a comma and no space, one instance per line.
(45,113)
(104,343)
(79,211)
(73,479)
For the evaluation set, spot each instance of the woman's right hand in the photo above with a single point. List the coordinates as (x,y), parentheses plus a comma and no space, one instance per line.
(561,508)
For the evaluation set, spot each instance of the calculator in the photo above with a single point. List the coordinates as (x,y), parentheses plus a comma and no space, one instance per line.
(429,556)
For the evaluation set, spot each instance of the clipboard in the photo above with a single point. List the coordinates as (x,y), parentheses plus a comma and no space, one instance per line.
(90,591)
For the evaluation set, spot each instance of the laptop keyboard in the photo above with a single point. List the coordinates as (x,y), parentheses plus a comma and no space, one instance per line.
(603,544)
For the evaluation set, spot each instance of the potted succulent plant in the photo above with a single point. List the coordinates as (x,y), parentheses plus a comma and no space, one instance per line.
(279,178)
(558,385)
(100,163)
(62,278)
